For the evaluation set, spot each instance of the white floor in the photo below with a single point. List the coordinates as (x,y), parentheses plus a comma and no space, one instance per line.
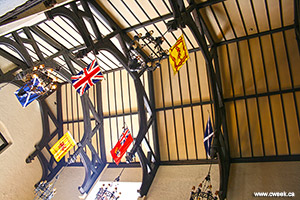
(128,190)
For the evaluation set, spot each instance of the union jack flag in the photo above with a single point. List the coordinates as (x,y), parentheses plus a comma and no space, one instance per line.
(87,77)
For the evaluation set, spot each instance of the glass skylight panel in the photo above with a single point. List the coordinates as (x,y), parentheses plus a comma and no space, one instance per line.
(79,6)
(190,39)
(77,67)
(60,60)
(70,30)
(31,52)
(91,56)
(160,7)
(44,46)
(102,25)
(116,42)
(115,62)
(22,34)
(135,11)
(86,59)
(111,8)
(90,29)
(11,51)
(61,30)
(10,36)
(102,63)
(50,31)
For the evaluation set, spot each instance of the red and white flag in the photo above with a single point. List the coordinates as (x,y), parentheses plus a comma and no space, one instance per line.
(122,145)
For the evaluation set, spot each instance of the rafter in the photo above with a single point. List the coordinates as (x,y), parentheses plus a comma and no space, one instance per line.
(184,18)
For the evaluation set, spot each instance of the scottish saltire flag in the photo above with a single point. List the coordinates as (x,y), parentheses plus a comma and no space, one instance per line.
(178,54)
(87,77)
(29,92)
(63,146)
(208,137)
(122,145)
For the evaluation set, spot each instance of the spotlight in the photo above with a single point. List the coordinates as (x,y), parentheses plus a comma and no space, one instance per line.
(53,87)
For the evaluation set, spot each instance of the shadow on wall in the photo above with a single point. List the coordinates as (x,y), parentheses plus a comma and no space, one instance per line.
(248,178)
(22,128)
(175,182)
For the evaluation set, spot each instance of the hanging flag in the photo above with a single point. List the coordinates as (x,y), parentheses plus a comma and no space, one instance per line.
(178,54)
(63,146)
(122,145)
(29,92)
(208,137)
(87,77)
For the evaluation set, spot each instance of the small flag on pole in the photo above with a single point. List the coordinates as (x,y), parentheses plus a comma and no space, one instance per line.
(122,145)
(29,92)
(63,146)
(178,54)
(87,77)
(208,137)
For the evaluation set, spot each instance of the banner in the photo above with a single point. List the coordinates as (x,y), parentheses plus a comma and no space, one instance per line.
(178,54)
(29,92)
(122,145)
(63,146)
(86,78)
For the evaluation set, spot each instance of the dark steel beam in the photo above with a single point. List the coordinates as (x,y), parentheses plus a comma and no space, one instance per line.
(93,166)
(90,19)
(154,124)
(18,47)
(116,27)
(76,17)
(101,130)
(9,76)
(297,21)
(33,43)
(219,146)
(21,64)
(59,111)
(170,15)
(279,158)
(190,162)
(124,164)
(207,3)
(259,34)
(149,169)
(48,170)
(142,98)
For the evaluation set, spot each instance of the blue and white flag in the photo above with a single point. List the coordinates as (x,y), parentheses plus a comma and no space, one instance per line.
(208,137)
(29,92)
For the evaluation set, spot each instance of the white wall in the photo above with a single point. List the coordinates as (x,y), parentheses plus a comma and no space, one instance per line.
(176,182)
(246,178)
(22,127)
(68,182)
(128,175)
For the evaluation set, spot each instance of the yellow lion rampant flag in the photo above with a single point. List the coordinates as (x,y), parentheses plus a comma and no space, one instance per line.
(178,54)
(63,146)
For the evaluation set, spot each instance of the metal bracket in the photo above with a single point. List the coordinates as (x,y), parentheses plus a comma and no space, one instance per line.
(220,145)
(49,170)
